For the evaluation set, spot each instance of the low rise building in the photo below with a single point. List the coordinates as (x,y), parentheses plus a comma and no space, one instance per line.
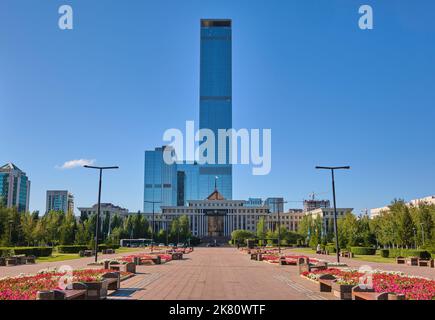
(430,200)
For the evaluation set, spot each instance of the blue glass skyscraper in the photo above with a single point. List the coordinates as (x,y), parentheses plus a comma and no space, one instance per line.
(215,108)
(160,180)
(14,187)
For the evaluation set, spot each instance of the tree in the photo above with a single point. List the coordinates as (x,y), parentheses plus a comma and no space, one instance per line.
(240,236)
(28,225)
(68,229)
(261,230)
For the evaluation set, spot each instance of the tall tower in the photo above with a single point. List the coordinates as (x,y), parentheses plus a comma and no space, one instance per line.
(215,106)
(14,187)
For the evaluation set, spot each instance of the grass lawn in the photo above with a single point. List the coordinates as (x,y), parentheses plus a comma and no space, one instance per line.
(368,258)
(126,250)
(58,257)
(301,250)
(374,258)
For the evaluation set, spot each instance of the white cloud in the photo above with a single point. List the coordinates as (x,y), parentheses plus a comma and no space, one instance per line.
(76,163)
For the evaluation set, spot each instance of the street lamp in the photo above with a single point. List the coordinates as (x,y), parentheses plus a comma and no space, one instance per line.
(152,226)
(279,223)
(99,204)
(422,232)
(415,238)
(335,206)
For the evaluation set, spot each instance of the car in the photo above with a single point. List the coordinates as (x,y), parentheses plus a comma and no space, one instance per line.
(161,244)
(211,244)
(180,245)
(171,245)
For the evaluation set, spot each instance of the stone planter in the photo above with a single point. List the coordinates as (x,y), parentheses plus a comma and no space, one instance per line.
(413,261)
(177,256)
(11,261)
(97,290)
(342,291)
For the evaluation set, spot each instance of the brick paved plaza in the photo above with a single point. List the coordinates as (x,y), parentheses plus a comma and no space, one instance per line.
(216,273)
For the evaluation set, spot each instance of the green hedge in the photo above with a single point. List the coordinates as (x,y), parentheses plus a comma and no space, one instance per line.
(423,254)
(384,253)
(78,248)
(363,250)
(28,251)
(330,248)
(71,248)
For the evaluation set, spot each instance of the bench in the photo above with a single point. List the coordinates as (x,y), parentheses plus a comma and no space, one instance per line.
(88,253)
(325,282)
(108,251)
(11,261)
(412,261)
(401,260)
(426,263)
(74,291)
(30,259)
(177,255)
(346,254)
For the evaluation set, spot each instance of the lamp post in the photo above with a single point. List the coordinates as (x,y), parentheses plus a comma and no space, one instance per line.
(337,249)
(422,232)
(99,204)
(415,238)
(279,223)
(152,226)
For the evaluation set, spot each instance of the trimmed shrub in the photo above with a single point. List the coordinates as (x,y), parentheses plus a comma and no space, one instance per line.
(422,254)
(330,248)
(384,253)
(71,248)
(363,251)
(6,252)
(28,251)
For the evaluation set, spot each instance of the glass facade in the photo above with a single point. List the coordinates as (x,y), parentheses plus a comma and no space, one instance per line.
(160,181)
(14,187)
(190,182)
(59,200)
(215,110)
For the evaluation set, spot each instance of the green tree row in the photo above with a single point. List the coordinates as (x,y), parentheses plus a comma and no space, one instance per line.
(401,226)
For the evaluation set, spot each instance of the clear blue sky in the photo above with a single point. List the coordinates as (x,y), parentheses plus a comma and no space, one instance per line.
(331,93)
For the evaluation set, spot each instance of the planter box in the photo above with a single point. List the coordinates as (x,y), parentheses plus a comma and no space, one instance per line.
(11,261)
(342,291)
(127,267)
(97,290)
(412,261)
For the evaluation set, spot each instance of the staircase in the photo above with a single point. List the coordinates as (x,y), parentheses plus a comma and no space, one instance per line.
(222,241)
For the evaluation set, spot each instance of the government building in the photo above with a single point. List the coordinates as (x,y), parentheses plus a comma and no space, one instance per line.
(216,217)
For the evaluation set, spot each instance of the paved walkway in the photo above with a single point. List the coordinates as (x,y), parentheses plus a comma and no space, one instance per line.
(218,273)
(411,270)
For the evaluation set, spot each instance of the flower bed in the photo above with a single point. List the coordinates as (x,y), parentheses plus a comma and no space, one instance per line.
(145,256)
(26,287)
(414,288)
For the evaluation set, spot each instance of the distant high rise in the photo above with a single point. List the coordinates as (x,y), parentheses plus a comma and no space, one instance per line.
(215,106)
(315,204)
(59,200)
(275,204)
(160,180)
(14,187)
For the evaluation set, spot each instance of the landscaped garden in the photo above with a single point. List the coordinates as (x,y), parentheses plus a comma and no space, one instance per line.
(26,287)
(413,288)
